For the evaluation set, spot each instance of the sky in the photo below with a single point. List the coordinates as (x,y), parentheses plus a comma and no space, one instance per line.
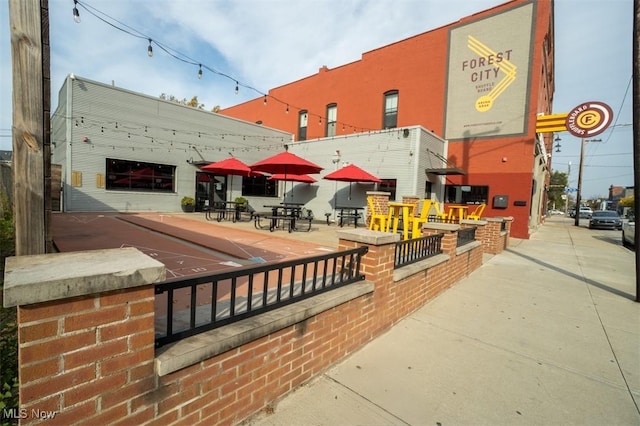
(267,43)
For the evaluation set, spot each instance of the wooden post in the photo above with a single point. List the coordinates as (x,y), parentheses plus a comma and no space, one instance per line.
(29,23)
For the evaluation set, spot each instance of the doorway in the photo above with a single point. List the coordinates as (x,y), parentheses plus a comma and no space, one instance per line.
(210,189)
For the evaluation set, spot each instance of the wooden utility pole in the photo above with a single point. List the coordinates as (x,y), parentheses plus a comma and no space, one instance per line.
(29,23)
(636,133)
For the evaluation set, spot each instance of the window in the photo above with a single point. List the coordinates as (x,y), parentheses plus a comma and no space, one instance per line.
(302,125)
(388,185)
(332,114)
(465,194)
(139,176)
(390,119)
(258,186)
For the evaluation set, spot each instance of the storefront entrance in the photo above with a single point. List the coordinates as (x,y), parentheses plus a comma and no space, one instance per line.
(210,189)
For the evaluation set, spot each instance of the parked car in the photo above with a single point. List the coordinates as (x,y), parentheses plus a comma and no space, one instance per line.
(555,212)
(605,219)
(629,232)
(586,212)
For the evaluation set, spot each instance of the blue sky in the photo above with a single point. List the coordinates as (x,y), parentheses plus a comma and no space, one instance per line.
(267,43)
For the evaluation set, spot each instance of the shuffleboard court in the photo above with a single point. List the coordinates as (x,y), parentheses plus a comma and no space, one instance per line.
(186,247)
(79,232)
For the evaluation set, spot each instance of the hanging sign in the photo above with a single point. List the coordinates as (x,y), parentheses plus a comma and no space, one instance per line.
(589,119)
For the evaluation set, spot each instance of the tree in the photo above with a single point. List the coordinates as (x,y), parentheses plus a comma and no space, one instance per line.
(193,103)
(557,185)
(627,202)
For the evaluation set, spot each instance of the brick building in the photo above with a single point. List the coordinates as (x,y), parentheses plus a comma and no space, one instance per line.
(479,83)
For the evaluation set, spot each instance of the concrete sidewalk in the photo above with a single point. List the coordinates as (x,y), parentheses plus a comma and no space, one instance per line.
(545,333)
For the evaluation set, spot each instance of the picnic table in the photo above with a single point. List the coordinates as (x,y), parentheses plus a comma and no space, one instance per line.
(224,210)
(347,214)
(284,216)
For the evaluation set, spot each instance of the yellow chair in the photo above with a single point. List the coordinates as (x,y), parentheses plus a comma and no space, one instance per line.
(439,213)
(417,221)
(377,221)
(477,213)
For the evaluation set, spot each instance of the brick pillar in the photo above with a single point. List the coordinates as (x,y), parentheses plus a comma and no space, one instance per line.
(412,199)
(495,237)
(508,221)
(380,201)
(377,266)
(86,333)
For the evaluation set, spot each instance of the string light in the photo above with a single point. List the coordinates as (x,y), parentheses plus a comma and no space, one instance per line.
(181,56)
(200,72)
(76,12)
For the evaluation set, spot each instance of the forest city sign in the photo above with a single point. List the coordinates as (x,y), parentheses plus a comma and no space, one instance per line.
(589,119)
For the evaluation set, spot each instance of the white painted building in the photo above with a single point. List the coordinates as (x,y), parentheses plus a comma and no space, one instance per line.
(125,151)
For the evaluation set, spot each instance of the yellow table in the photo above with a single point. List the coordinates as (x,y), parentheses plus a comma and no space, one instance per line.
(395,209)
(460,211)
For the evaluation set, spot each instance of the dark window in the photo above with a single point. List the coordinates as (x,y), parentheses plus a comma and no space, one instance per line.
(332,115)
(388,185)
(302,125)
(466,194)
(139,176)
(390,119)
(258,186)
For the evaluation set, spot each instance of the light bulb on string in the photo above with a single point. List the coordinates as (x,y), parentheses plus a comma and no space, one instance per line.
(76,12)
(237,89)
(200,72)
(287,110)
(265,100)
(150,49)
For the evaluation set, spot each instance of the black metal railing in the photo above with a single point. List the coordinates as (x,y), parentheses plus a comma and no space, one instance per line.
(438,219)
(414,250)
(466,236)
(189,306)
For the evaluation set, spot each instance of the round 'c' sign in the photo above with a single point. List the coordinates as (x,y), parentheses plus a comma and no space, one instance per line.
(589,119)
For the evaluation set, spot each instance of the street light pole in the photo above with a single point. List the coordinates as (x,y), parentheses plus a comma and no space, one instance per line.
(566,200)
(579,193)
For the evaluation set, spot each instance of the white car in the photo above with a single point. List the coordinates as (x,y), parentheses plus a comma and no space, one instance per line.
(629,232)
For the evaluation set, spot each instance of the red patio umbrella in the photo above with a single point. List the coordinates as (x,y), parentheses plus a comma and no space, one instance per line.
(287,164)
(228,166)
(352,173)
(294,178)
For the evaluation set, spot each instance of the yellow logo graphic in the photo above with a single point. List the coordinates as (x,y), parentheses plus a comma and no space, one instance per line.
(485,102)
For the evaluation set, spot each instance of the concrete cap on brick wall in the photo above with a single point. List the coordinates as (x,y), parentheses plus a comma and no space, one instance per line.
(496,219)
(441,226)
(46,277)
(374,238)
(474,222)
